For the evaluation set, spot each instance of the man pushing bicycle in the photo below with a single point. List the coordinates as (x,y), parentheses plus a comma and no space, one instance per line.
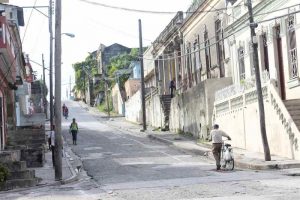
(216,138)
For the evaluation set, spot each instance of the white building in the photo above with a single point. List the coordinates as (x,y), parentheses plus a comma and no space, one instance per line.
(278,36)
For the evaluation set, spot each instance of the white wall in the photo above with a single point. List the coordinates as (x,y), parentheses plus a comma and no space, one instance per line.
(133,109)
(243,125)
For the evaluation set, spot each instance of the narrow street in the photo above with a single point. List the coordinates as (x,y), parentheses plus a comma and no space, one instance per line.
(121,165)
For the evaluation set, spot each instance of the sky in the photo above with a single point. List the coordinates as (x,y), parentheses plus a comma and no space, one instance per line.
(92,24)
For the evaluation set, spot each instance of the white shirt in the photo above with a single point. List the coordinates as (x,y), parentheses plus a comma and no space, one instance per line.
(52,135)
(216,135)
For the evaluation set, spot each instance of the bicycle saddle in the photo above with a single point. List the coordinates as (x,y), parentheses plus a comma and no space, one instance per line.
(227,145)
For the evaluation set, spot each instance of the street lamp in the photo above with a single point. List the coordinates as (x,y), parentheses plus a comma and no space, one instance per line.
(69,34)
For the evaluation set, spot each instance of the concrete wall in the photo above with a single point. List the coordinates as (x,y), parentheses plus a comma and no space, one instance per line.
(192,110)
(243,127)
(117,100)
(154,112)
(238,116)
(131,87)
(133,107)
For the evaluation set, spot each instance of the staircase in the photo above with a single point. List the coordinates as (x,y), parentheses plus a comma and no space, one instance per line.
(166,106)
(293,107)
(31,142)
(19,176)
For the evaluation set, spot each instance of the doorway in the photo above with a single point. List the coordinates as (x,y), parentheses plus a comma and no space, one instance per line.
(279,57)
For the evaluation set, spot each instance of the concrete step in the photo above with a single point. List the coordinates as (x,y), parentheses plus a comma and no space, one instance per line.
(297,122)
(292,101)
(33,157)
(27,132)
(26,137)
(18,183)
(294,112)
(292,106)
(27,142)
(296,117)
(25,174)
(10,156)
(15,166)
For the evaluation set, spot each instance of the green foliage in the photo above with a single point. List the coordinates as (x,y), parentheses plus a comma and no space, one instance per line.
(90,65)
(121,62)
(103,106)
(82,69)
(4,173)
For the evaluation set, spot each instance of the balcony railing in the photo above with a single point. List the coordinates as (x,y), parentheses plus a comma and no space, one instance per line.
(239,88)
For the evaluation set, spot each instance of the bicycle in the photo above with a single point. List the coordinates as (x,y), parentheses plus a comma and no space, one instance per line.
(227,159)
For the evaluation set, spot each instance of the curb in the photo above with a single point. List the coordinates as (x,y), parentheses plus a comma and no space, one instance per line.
(194,151)
(238,163)
(74,176)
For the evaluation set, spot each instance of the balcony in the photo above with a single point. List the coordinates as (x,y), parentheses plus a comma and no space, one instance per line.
(7,49)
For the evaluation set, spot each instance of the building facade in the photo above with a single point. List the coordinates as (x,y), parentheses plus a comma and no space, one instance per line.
(277,35)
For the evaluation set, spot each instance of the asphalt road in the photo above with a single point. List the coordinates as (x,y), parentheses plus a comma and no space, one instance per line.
(119,164)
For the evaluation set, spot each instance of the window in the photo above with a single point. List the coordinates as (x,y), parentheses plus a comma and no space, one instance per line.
(220,47)
(241,57)
(265,51)
(292,47)
(251,58)
(207,53)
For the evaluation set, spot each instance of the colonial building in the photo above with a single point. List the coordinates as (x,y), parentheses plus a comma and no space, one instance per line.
(12,66)
(277,37)
(189,51)
(103,56)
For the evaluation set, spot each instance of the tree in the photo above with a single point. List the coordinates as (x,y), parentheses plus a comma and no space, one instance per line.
(121,62)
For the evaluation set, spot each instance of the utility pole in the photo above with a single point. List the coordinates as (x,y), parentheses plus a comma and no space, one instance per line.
(44,87)
(107,97)
(258,84)
(58,136)
(51,65)
(142,77)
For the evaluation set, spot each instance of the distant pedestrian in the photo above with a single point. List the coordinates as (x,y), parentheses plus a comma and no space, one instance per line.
(74,131)
(172,87)
(66,113)
(64,109)
(216,138)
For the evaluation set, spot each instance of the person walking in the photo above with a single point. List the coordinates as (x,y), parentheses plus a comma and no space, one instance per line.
(172,87)
(74,131)
(216,138)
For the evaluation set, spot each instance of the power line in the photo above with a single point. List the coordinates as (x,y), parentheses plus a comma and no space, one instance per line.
(150,11)
(258,22)
(114,29)
(28,22)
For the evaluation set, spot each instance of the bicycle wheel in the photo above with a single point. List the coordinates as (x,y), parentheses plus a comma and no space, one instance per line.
(230,164)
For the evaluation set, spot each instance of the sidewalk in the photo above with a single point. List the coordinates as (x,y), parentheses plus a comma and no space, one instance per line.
(243,159)
(47,172)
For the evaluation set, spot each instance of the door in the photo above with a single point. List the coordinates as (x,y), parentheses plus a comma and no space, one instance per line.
(278,52)
(1,123)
